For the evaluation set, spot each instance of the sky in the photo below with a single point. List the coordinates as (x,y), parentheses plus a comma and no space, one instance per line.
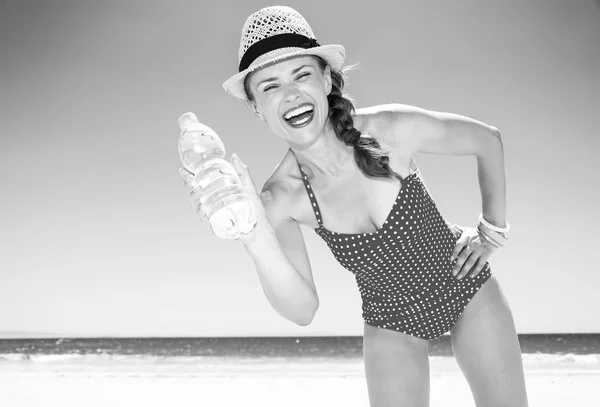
(98,238)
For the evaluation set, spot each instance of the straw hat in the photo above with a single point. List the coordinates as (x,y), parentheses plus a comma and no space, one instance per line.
(273,34)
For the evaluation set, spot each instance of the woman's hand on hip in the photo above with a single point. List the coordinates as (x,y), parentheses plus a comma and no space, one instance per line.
(471,252)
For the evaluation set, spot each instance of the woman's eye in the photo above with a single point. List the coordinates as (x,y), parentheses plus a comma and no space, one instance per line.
(266,89)
(303,75)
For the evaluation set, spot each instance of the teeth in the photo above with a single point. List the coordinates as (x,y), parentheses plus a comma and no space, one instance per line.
(297,111)
(301,121)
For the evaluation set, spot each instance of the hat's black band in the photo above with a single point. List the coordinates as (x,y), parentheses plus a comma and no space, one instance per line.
(275,42)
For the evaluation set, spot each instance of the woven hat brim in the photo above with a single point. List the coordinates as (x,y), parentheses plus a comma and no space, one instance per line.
(334,54)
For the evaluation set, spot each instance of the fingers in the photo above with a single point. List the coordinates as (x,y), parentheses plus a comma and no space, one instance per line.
(243,173)
(471,254)
(485,252)
(187,177)
(195,201)
(200,210)
(478,267)
(195,190)
(470,262)
(461,243)
(461,259)
(188,181)
(185,173)
(239,166)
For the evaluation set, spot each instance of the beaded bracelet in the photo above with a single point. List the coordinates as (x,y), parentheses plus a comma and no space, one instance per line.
(493,227)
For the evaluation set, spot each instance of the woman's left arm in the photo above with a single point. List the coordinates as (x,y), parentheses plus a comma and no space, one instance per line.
(419,130)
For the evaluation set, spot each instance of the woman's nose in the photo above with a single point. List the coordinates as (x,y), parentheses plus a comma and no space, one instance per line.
(291,92)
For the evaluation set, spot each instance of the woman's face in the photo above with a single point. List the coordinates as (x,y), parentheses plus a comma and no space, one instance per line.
(292,97)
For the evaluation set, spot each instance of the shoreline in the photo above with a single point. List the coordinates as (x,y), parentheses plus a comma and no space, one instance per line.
(338,347)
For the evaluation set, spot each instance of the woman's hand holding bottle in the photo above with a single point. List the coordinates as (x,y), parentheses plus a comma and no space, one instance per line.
(216,190)
(249,186)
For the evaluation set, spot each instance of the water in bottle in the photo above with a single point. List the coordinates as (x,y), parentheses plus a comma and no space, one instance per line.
(221,192)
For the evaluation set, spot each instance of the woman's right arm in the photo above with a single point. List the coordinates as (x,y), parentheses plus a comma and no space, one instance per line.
(279,253)
(277,248)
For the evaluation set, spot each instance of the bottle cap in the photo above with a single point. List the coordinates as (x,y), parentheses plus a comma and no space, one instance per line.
(186,119)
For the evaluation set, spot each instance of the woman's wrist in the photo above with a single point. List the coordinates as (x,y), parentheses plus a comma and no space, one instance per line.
(500,229)
(494,238)
(493,234)
(261,236)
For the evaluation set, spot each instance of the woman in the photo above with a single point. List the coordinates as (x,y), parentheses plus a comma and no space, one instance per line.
(350,175)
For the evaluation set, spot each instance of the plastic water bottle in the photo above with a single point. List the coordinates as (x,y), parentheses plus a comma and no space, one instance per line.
(222,194)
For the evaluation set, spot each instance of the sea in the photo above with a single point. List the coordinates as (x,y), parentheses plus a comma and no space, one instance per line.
(331,347)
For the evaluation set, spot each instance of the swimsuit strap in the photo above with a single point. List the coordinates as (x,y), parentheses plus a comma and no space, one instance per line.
(413,165)
(311,196)
(412,168)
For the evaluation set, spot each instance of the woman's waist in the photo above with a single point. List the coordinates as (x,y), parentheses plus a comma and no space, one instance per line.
(404,303)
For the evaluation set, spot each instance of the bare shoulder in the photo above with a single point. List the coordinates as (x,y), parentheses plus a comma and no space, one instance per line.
(392,124)
(281,190)
(412,129)
(391,115)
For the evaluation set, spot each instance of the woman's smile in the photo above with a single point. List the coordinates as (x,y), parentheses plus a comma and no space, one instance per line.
(299,116)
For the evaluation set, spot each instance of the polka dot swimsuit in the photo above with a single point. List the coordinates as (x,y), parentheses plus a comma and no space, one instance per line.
(403,270)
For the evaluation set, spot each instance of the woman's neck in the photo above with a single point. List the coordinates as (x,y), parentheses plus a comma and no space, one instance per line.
(326,157)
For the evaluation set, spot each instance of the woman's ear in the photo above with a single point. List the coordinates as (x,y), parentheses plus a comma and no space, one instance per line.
(328,81)
(252,106)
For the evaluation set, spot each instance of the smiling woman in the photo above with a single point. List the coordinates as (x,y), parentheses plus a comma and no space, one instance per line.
(418,276)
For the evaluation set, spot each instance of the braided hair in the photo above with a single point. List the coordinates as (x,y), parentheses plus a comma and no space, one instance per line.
(370,157)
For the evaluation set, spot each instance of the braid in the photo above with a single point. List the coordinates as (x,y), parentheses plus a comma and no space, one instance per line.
(370,158)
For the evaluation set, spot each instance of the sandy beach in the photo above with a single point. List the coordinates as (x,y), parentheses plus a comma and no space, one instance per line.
(109,380)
